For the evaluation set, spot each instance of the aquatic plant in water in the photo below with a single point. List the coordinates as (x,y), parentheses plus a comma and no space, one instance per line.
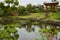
(8,33)
(48,33)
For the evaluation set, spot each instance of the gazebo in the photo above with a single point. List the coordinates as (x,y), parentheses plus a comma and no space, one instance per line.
(51,7)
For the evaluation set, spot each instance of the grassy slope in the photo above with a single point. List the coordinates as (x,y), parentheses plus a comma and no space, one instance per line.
(33,15)
(53,16)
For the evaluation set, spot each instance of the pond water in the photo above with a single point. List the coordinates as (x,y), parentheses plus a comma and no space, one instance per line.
(30,32)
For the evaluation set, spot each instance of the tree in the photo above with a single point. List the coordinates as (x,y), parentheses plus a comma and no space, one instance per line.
(16,2)
(29,8)
(11,9)
(6,20)
(9,2)
(21,10)
(1,8)
(40,8)
(34,9)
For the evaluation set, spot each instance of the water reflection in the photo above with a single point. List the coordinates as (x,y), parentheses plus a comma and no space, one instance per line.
(31,28)
(28,35)
(50,31)
(28,32)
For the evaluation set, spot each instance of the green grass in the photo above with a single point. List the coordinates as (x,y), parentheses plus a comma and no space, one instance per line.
(14,25)
(53,16)
(33,15)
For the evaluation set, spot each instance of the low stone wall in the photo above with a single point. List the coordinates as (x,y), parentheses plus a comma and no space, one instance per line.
(51,22)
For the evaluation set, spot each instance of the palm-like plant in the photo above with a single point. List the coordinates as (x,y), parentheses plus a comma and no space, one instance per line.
(9,2)
(11,5)
(15,2)
(1,4)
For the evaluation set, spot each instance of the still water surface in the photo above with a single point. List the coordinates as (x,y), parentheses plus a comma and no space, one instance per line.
(30,33)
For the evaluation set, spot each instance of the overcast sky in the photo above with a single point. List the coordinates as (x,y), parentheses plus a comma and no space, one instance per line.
(34,2)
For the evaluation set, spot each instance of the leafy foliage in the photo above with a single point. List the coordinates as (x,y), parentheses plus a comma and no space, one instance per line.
(8,32)
(22,10)
(47,32)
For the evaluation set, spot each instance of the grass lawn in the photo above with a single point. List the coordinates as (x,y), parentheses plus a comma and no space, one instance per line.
(53,16)
(34,15)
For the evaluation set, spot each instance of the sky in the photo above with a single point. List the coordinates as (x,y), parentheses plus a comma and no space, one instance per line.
(33,2)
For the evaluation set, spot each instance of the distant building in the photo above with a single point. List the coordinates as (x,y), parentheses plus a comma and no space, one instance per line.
(51,5)
(53,0)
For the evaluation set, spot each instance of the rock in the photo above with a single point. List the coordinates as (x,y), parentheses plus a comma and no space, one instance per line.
(22,23)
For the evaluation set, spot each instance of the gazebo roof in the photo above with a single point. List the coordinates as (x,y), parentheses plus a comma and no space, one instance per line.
(51,3)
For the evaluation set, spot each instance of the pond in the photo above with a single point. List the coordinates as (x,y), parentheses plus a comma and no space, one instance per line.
(28,32)
(31,32)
